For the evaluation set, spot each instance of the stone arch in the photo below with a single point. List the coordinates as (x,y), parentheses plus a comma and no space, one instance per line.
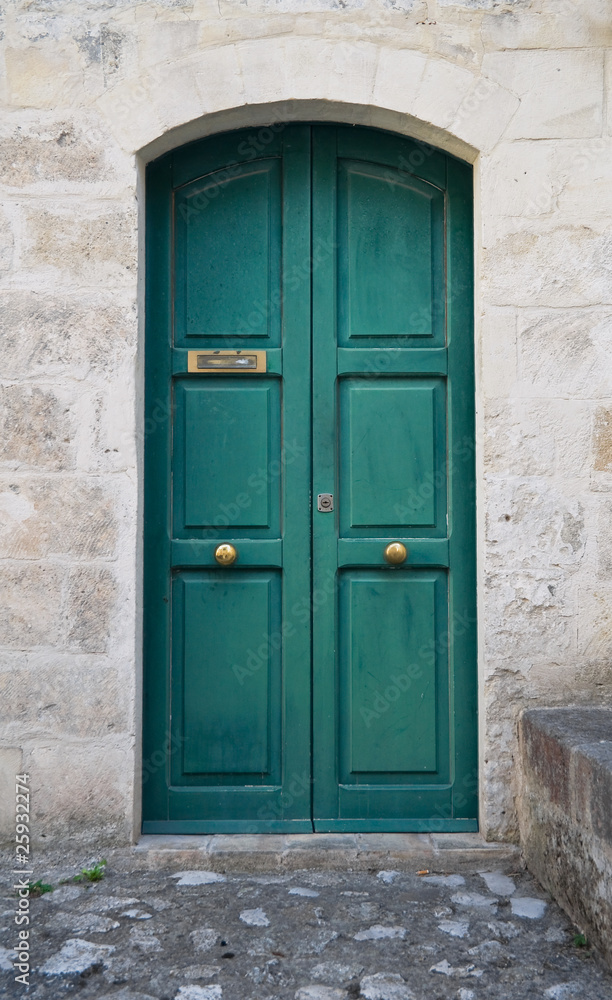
(252,82)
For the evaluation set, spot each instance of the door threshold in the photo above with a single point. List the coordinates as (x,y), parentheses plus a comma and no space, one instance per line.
(340,851)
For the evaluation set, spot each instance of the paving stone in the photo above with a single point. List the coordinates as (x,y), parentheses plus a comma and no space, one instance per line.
(456,928)
(530,908)
(83,923)
(387,877)
(198,878)
(564,991)
(377,933)
(462,972)
(255,918)
(201,971)
(102,905)
(505,929)
(336,972)
(452,881)
(199,993)
(204,938)
(144,940)
(320,993)
(385,986)
(76,956)
(498,883)
(127,995)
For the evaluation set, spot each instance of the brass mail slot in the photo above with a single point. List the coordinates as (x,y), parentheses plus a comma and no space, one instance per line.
(226,361)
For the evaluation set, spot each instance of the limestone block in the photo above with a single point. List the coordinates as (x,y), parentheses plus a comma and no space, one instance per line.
(397,65)
(484,113)
(31,605)
(561,91)
(89,606)
(528,617)
(82,241)
(534,528)
(11,764)
(519,438)
(602,439)
(569,178)
(566,352)
(46,336)
(108,437)
(595,619)
(129,113)
(308,68)
(166,43)
(604,542)
(503,694)
(7,242)
(532,437)
(442,89)
(601,474)
(43,516)
(219,79)
(176,95)
(32,152)
(107,50)
(572,438)
(578,682)
(36,428)
(554,25)
(43,74)
(58,694)
(548,265)
(82,789)
(498,352)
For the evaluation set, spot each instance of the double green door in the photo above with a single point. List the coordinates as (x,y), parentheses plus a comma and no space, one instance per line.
(309,415)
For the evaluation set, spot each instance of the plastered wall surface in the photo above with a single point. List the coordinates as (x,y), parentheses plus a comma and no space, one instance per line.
(90,91)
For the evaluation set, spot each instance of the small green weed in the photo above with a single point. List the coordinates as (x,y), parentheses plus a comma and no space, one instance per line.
(94,874)
(39,888)
(580,941)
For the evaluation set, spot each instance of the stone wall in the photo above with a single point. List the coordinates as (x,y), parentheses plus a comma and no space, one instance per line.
(564,812)
(91,89)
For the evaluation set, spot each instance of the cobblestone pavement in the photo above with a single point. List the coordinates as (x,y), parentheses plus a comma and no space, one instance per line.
(304,935)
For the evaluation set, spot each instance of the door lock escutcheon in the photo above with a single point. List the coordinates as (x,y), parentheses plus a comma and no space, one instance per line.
(325,502)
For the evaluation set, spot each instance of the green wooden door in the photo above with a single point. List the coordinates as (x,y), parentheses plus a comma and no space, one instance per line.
(310,682)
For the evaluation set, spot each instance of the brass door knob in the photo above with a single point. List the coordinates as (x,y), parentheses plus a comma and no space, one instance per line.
(395,553)
(225,554)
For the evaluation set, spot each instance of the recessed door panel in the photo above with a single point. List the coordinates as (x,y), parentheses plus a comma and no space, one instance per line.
(388,695)
(390,264)
(227,433)
(227,245)
(392,454)
(227,692)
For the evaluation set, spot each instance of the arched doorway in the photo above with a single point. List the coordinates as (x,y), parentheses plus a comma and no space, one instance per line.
(310,411)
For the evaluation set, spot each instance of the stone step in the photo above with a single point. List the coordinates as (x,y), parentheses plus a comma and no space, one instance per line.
(320,851)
